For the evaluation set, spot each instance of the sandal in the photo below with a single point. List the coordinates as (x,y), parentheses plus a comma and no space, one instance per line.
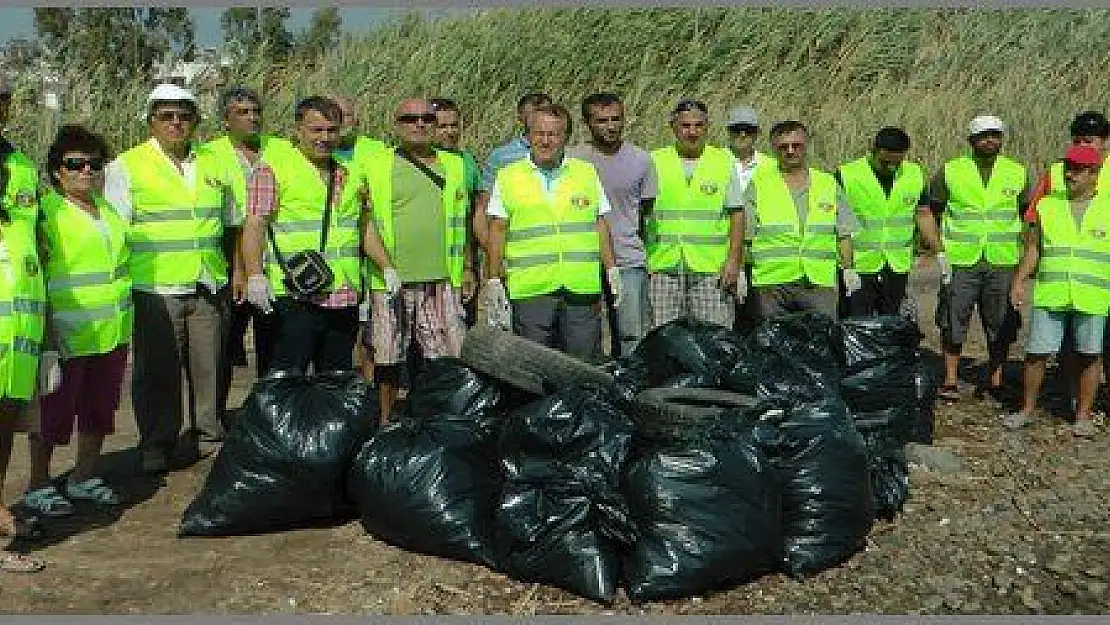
(93,490)
(47,501)
(13,562)
(949,393)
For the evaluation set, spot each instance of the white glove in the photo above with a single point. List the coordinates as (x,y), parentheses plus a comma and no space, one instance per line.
(498,312)
(945,269)
(364,311)
(852,281)
(392,282)
(614,275)
(50,372)
(260,294)
(741,287)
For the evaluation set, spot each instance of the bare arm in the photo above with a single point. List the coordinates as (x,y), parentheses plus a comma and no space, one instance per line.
(927,226)
(607,258)
(736,237)
(250,249)
(497,229)
(844,247)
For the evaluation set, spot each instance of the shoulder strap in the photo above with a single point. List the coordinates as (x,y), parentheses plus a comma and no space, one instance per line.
(439,180)
(326,219)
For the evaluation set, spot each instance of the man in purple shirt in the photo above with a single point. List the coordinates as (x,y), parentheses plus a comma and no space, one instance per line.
(628,177)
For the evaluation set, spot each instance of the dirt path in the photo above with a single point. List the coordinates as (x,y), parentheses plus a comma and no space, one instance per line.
(1022,529)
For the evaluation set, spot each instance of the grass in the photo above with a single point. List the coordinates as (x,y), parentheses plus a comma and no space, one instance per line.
(844,72)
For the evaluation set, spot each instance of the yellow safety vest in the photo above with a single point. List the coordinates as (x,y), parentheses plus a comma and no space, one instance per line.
(22,305)
(983,222)
(87,278)
(1059,188)
(552,242)
(886,237)
(688,224)
(783,251)
(223,150)
(1074,268)
(176,232)
(297,224)
(379,172)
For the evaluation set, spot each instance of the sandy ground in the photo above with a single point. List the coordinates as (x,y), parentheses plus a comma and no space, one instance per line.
(1020,529)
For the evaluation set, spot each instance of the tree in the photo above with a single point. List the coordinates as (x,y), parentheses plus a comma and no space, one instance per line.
(21,54)
(322,34)
(242,31)
(120,42)
(276,38)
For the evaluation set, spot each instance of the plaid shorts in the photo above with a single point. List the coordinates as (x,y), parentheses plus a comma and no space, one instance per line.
(432,312)
(700,296)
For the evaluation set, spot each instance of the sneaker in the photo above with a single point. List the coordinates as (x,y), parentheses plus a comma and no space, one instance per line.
(93,490)
(47,501)
(1085,428)
(1017,420)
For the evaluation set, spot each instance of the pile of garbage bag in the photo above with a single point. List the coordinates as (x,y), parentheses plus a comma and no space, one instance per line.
(606,482)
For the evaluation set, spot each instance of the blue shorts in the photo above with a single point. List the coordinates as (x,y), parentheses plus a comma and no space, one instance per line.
(1046,331)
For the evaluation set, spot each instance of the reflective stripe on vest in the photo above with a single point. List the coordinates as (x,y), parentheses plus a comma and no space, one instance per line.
(297,223)
(1073,272)
(688,225)
(886,237)
(983,222)
(783,251)
(88,283)
(454,198)
(552,242)
(22,304)
(176,232)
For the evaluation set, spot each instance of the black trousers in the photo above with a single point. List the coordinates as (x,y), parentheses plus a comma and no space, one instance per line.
(879,294)
(304,334)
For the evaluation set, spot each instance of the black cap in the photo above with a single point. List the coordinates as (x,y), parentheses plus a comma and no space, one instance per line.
(1090,124)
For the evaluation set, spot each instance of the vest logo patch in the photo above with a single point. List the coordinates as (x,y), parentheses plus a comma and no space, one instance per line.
(826,206)
(460,195)
(31,265)
(1098,234)
(213,182)
(709,188)
(25,198)
(580,201)
(909,200)
(1009,192)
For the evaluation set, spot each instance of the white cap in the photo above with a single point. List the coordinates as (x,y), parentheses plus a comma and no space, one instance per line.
(170,92)
(985,123)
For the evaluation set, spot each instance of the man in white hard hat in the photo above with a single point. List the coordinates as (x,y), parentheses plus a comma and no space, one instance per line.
(980,197)
(177,197)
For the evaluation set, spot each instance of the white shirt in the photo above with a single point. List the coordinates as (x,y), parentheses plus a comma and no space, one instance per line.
(547,179)
(745,171)
(117,191)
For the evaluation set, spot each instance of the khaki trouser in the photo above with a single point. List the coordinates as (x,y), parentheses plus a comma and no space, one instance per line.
(173,332)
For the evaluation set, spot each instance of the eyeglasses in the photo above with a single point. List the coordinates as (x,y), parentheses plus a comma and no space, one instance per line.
(95,163)
(171,116)
(788,146)
(689,104)
(743,129)
(412,118)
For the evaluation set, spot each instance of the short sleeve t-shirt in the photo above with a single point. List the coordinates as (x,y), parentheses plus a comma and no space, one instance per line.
(847,224)
(419,238)
(628,177)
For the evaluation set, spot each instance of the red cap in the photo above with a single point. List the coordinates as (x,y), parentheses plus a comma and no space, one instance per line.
(1083,155)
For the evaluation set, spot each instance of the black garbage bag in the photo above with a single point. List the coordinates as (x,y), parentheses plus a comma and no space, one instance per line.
(796,355)
(890,475)
(688,353)
(708,512)
(882,374)
(562,518)
(822,464)
(630,377)
(448,386)
(431,486)
(284,462)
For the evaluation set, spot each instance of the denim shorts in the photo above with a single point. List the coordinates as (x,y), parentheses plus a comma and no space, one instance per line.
(1046,331)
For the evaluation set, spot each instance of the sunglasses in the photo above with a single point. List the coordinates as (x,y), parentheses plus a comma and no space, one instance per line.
(412,118)
(95,163)
(170,116)
(743,129)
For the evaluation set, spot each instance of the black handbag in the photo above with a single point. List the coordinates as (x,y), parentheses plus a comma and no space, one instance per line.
(306,273)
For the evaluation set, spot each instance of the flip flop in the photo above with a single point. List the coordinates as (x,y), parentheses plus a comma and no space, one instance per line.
(18,563)
(948,392)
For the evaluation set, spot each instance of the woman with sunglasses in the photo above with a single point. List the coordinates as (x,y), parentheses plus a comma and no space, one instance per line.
(88,322)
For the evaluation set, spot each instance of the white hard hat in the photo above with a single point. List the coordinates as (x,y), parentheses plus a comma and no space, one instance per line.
(985,123)
(170,92)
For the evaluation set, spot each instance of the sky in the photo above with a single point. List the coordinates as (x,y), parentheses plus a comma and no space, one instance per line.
(20,21)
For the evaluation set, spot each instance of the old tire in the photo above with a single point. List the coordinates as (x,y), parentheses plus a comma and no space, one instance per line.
(525,364)
(673,412)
